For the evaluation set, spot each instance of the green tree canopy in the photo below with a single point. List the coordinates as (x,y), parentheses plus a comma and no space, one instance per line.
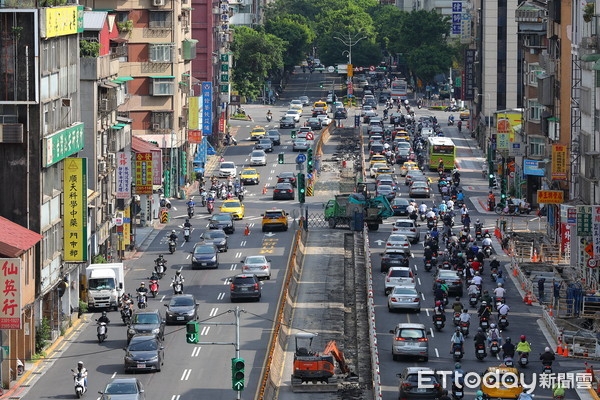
(255,54)
(297,35)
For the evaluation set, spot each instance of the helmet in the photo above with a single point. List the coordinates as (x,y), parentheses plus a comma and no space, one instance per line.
(484,303)
(438,303)
(457,298)
(173,231)
(493,326)
(80,363)
(479,393)
(477,273)
(178,273)
(499,285)
(508,340)
(547,349)
(477,218)
(457,366)
(142,284)
(499,274)
(412,200)
(187,220)
(104,313)
(523,338)
(480,329)
(443,201)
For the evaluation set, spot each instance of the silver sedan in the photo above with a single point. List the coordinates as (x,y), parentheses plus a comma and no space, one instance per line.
(257,265)
(404,298)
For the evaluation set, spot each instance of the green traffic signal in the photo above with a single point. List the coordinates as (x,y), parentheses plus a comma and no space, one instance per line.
(191,332)
(237,374)
(301,188)
(280,159)
(309,161)
(294,134)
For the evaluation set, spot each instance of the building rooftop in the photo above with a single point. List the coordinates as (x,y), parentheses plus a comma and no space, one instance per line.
(15,239)
(94,20)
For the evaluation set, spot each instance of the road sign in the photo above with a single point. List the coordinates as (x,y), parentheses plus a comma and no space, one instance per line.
(571,215)
(309,136)
(592,263)
(300,158)
(584,220)
(330,69)
(372,68)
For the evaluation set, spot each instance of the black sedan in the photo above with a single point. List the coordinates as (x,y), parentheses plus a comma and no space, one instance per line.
(275,137)
(222,221)
(146,321)
(264,144)
(287,177)
(143,353)
(399,205)
(283,191)
(314,124)
(287,122)
(218,237)
(393,258)
(181,309)
(205,256)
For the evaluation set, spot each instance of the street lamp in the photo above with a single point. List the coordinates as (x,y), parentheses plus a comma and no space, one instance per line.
(350,40)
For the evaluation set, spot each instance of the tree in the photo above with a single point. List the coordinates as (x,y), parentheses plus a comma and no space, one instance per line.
(296,35)
(255,54)
(425,65)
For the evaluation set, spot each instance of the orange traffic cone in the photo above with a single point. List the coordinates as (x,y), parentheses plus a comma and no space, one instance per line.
(534,258)
(515,273)
(526,298)
(559,349)
(247,230)
(550,311)
(265,190)
(529,299)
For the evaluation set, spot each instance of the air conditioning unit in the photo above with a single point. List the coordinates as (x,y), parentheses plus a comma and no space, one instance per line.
(590,42)
(102,167)
(155,127)
(158,3)
(112,160)
(103,106)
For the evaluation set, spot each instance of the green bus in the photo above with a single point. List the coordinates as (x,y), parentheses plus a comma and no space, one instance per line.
(441,148)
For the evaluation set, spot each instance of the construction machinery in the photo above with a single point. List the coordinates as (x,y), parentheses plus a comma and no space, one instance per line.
(355,209)
(314,372)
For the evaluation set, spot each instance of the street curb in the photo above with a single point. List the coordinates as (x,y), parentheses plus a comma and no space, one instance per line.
(51,351)
(484,206)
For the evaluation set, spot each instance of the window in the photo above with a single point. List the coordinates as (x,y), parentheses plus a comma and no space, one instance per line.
(122,16)
(52,242)
(160,19)
(533,70)
(162,86)
(537,146)
(535,110)
(161,52)
(162,120)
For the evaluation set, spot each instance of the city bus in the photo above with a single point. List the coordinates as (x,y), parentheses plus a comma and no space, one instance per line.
(441,148)
(399,89)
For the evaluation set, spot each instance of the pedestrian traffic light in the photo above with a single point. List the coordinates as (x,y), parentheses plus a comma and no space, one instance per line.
(280,159)
(309,161)
(293,134)
(301,188)
(237,374)
(191,332)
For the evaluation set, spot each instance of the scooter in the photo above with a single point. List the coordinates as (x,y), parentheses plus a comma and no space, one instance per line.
(159,268)
(438,322)
(210,206)
(154,287)
(186,233)
(484,323)
(102,332)
(508,361)
(523,359)
(456,319)
(79,379)
(464,328)
(171,246)
(457,352)
(269,117)
(494,348)
(480,352)
(429,264)
(457,393)
(499,301)
(546,367)
(190,211)
(503,322)
(487,251)
(473,301)
(126,315)
(142,301)
(177,287)
(494,274)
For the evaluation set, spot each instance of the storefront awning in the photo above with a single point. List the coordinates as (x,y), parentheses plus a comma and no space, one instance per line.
(163,76)
(124,78)
(118,40)
(163,141)
(108,85)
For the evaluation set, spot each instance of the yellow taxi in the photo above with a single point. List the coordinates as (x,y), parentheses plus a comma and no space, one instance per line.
(375,167)
(233,207)
(257,133)
(297,107)
(383,171)
(465,114)
(408,166)
(401,135)
(377,158)
(250,176)
(274,219)
(320,103)
(501,382)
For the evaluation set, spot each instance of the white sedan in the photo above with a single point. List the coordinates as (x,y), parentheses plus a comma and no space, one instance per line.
(325,120)
(257,265)
(293,114)
(397,242)
(227,169)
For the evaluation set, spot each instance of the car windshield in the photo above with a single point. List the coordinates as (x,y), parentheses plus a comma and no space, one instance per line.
(265,141)
(208,249)
(300,141)
(385,188)
(397,238)
(249,172)
(221,217)
(121,388)
(411,333)
(258,154)
(404,145)
(146,319)
(400,202)
(419,184)
(283,186)
(273,214)
(230,204)
(423,378)
(405,291)
(180,301)
(404,224)
(227,165)
(144,344)
(255,260)
(243,280)
(101,284)
(399,273)
(214,235)
(286,175)
(293,112)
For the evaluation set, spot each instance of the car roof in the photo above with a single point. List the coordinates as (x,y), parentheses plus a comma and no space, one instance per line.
(286,184)
(415,370)
(399,269)
(146,312)
(407,325)
(123,380)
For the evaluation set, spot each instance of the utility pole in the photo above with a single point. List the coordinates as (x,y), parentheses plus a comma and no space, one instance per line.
(350,40)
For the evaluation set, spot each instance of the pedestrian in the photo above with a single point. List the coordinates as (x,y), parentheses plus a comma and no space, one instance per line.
(556,285)
(541,283)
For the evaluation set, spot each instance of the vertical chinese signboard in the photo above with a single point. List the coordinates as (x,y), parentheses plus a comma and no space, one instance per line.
(559,161)
(207,108)
(194,131)
(457,9)
(596,230)
(10,293)
(143,173)
(75,209)
(157,168)
(584,220)
(123,175)
(469,81)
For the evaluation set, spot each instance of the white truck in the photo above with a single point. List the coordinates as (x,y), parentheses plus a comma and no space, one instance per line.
(105,285)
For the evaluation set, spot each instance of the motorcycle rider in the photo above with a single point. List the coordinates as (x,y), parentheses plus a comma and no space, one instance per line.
(191,204)
(523,346)
(547,357)
(479,338)
(479,226)
(186,224)
(457,339)
(486,297)
(484,310)
(499,292)
(422,208)
(457,305)
(503,310)
(269,115)
(142,289)
(558,390)
(465,317)
(178,278)
(160,260)
(83,371)
(427,253)
(477,279)
(460,196)
(473,289)
(494,334)
(480,396)
(508,349)
(459,125)
(486,242)
(173,236)
(104,318)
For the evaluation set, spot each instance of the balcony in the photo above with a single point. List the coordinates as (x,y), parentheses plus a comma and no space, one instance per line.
(529,12)
(93,69)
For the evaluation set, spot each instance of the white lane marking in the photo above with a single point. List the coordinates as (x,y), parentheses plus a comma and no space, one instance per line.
(243,243)
(270,178)
(412,255)
(284,147)
(238,254)
(196,351)
(422,295)
(431,331)
(416,268)
(182,243)
(251,224)
(113,375)
(186,374)
(226,282)
(162,298)
(188,256)
(213,312)
(204,331)
(272,171)
(175,397)
(181,268)
(419,280)
(221,296)
(233,267)
(437,354)
(427,311)
(192,230)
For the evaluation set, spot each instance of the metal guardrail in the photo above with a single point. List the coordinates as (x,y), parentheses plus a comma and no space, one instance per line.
(377,393)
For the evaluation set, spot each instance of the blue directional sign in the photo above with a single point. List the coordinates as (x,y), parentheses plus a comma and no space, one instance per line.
(300,158)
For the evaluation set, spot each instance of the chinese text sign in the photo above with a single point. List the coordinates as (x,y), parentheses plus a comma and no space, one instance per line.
(75,209)
(10,293)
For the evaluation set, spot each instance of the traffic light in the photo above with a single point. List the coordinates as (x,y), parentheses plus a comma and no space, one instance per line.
(280,158)
(294,134)
(491,178)
(491,174)
(191,332)
(309,161)
(301,188)
(321,84)
(237,374)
